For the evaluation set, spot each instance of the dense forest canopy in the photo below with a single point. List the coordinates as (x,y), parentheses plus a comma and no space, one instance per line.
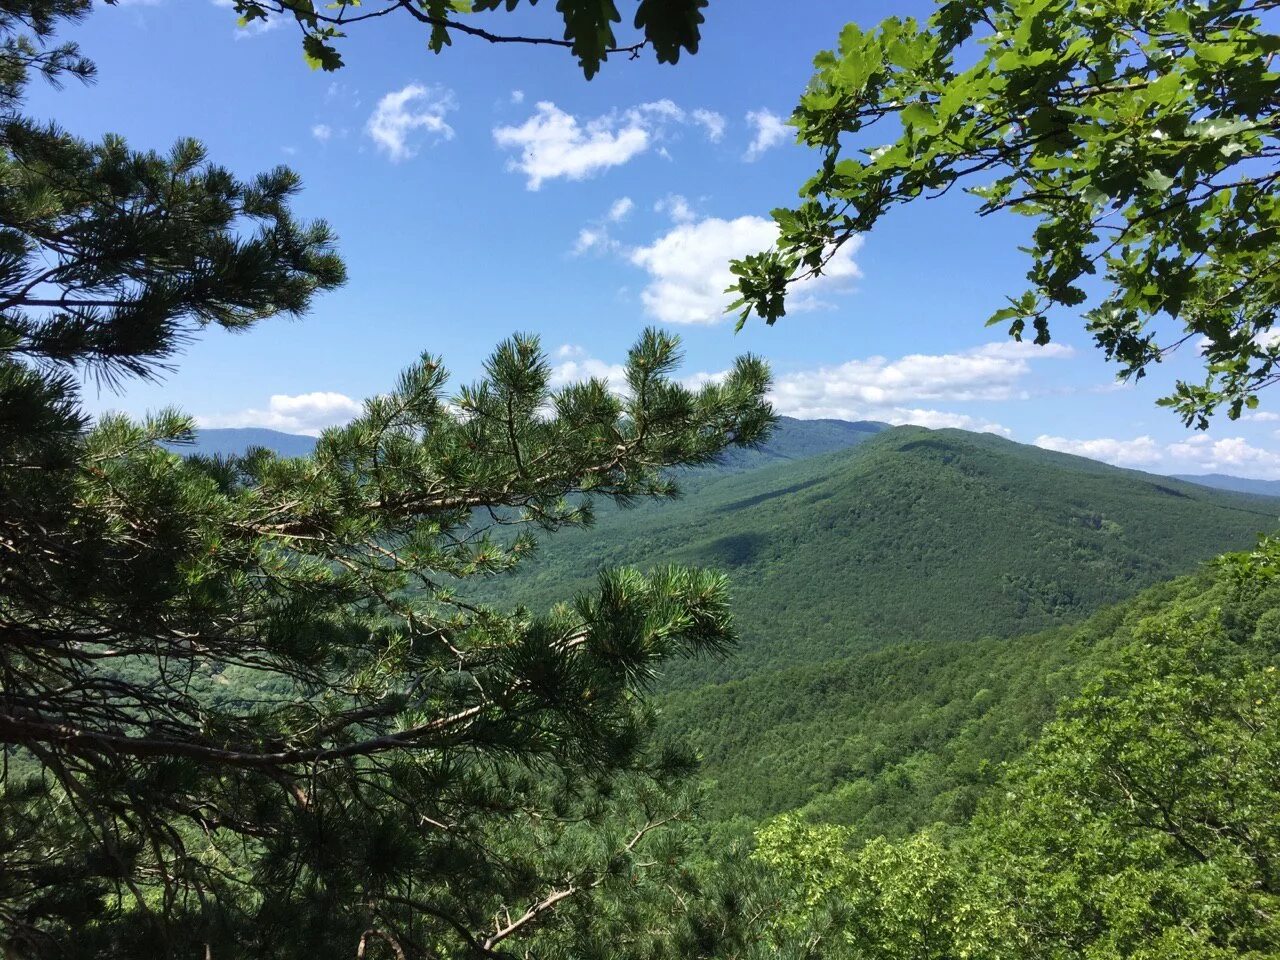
(282,707)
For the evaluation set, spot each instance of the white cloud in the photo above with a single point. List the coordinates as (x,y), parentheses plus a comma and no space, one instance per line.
(517,96)
(1025,350)
(1137,452)
(400,112)
(1261,416)
(1197,454)
(621,208)
(712,122)
(576,365)
(305,413)
(553,143)
(322,132)
(939,419)
(593,238)
(876,388)
(676,207)
(688,267)
(770,130)
(1228,455)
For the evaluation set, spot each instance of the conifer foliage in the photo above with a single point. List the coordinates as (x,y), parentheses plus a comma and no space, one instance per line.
(415,774)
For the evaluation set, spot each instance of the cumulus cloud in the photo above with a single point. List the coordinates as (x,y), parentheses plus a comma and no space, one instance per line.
(322,132)
(688,267)
(712,123)
(517,96)
(769,131)
(1197,454)
(1226,454)
(553,143)
(1136,452)
(938,420)
(577,365)
(402,112)
(305,413)
(877,388)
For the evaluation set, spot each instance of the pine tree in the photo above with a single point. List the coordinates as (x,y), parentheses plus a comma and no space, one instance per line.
(246,706)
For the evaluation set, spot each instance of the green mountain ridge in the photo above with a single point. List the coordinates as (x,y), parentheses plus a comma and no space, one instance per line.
(1223,481)
(913,605)
(234,441)
(913,535)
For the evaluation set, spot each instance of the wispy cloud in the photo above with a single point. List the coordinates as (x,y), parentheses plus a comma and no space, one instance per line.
(621,209)
(769,131)
(676,207)
(595,237)
(410,110)
(553,144)
(712,123)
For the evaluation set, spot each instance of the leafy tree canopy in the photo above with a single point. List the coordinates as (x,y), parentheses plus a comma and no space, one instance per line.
(1141,137)
(1145,822)
(669,27)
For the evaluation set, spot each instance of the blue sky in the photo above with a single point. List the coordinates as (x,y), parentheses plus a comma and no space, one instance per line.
(490,190)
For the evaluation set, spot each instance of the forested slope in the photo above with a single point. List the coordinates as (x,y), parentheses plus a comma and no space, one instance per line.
(914,535)
(1141,822)
(893,739)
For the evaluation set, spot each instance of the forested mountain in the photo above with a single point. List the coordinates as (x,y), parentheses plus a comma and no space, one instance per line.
(233,441)
(897,591)
(915,535)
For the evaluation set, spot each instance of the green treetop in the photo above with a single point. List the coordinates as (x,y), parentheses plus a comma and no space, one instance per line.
(1141,138)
